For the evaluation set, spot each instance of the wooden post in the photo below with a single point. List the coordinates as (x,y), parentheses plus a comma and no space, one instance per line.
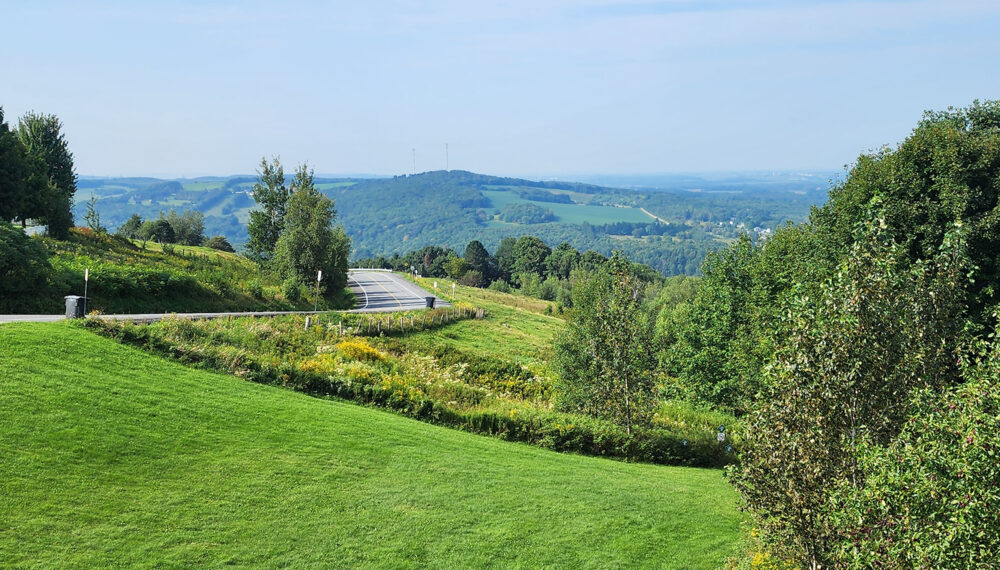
(340,328)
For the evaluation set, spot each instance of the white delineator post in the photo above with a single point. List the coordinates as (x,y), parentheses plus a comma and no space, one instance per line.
(86,283)
(319,277)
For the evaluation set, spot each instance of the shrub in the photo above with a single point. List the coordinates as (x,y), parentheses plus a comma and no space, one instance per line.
(291,288)
(220,243)
(358,349)
(24,265)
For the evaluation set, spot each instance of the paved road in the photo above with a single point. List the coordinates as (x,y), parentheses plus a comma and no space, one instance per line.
(382,291)
(376,292)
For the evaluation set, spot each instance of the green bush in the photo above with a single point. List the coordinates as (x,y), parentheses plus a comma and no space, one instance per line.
(291,288)
(24,267)
(930,499)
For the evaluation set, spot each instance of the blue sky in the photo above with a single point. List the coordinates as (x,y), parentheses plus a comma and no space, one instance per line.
(539,88)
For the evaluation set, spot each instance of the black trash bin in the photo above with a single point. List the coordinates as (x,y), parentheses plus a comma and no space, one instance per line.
(430,302)
(76,306)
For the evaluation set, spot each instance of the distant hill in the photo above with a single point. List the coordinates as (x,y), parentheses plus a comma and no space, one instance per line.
(670,229)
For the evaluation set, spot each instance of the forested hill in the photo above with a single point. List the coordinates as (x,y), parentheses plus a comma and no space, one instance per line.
(668,230)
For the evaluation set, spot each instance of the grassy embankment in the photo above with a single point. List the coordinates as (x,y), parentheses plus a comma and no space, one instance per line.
(131,277)
(488,376)
(110,456)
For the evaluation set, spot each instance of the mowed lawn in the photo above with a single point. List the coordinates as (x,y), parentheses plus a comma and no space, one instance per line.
(112,457)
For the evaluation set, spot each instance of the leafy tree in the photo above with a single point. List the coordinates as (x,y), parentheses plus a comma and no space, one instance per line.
(456,267)
(947,169)
(308,242)
(189,227)
(132,228)
(851,362)
(530,254)
(266,224)
(563,261)
(929,499)
(44,141)
(158,230)
(220,243)
(603,359)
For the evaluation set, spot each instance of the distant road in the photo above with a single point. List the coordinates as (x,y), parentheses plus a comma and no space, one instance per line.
(375,291)
(654,216)
(382,291)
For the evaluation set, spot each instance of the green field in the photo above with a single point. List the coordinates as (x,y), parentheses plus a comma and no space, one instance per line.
(112,457)
(573,213)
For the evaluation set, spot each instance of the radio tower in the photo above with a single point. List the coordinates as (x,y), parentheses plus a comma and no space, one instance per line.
(446,167)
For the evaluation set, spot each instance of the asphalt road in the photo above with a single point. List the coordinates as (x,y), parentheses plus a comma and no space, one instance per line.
(376,292)
(382,291)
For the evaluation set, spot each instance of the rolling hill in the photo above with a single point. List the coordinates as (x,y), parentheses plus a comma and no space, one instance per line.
(451,208)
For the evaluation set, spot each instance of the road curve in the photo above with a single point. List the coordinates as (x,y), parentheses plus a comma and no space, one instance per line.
(382,291)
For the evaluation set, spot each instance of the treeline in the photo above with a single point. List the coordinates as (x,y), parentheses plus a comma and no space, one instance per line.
(526,264)
(526,213)
(37,177)
(859,349)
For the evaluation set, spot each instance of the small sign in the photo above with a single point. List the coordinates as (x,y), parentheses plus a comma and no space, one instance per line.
(86,274)
(435,284)
(721,436)
(319,275)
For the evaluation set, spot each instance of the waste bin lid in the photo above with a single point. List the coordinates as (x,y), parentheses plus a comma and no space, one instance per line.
(74,296)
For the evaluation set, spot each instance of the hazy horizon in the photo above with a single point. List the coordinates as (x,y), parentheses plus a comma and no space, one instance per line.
(552,89)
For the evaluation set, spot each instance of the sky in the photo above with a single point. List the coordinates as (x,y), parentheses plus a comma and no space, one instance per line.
(521,88)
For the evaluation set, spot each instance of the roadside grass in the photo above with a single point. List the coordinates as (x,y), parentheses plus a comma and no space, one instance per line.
(135,277)
(110,456)
(516,327)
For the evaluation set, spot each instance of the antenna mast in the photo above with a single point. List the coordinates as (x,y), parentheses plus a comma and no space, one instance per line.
(446,165)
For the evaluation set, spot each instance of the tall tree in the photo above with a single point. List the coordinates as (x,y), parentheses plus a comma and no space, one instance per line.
(603,359)
(13,172)
(309,242)
(505,258)
(480,260)
(55,177)
(266,223)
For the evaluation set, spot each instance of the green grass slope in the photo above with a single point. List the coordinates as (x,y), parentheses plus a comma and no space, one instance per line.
(112,457)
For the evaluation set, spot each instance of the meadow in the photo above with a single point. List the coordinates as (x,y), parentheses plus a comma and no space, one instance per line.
(110,456)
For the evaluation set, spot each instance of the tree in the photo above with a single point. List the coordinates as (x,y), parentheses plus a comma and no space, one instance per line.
(55,183)
(266,224)
(158,230)
(456,267)
(132,227)
(505,258)
(189,227)
(480,260)
(563,261)
(530,254)
(13,173)
(947,169)
(603,359)
(308,242)
(851,363)
(93,217)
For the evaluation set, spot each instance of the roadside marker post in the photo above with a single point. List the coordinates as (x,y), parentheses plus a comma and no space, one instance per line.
(86,283)
(319,277)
